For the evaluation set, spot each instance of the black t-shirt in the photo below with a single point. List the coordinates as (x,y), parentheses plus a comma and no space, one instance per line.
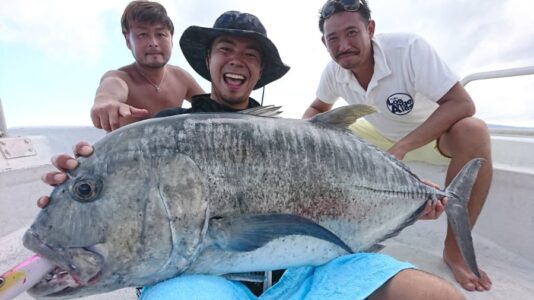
(202,103)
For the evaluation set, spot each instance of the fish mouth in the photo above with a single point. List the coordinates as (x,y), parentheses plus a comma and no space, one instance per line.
(76,267)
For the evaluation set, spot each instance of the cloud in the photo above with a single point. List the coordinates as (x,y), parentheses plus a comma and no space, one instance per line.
(62,29)
(471,36)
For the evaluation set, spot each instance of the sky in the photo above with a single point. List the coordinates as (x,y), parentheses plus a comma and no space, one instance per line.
(53,53)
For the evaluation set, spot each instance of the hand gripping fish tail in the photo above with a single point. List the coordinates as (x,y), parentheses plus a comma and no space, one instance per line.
(23,276)
(458,192)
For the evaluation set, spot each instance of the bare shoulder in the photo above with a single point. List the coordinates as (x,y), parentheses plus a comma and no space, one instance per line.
(183,79)
(123,73)
(178,72)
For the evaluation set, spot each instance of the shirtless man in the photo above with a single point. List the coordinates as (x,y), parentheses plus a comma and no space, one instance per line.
(149,85)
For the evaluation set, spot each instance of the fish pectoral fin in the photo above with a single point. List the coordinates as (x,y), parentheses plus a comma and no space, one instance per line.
(248,277)
(375,248)
(250,232)
(343,116)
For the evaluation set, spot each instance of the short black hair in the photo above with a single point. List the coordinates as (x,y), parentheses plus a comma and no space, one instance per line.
(145,12)
(364,11)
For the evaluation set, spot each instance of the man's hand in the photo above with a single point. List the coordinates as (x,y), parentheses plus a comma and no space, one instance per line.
(433,209)
(110,108)
(64,163)
(107,114)
(398,151)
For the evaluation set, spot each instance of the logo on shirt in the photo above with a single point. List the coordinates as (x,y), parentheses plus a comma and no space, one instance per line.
(400,104)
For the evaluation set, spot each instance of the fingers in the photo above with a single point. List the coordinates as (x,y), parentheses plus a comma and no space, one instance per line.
(82,148)
(426,211)
(51,178)
(64,162)
(433,209)
(95,119)
(105,117)
(108,116)
(113,119)
(43,201)
(125,110)
(54,178)
(138,112)
(444,201)
(439,208)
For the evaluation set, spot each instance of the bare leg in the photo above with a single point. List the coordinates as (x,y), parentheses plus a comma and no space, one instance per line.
(465,140)
(413,285)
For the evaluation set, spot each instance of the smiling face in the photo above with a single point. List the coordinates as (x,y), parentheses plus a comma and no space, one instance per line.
(347,37)
(235,65)
(151,44)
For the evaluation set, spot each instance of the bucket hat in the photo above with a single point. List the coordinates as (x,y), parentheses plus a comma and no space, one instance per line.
(196,41)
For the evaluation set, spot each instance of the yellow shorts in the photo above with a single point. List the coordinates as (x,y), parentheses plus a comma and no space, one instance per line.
(428,153)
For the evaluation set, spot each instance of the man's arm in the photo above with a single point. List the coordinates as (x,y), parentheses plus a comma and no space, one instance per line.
(316,107)
(455,105)
(110,103)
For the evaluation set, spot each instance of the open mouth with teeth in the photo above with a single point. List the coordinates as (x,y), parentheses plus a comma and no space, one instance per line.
(59,283)
(76,268)
(234,80)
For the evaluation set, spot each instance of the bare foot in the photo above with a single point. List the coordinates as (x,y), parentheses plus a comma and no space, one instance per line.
(467,279)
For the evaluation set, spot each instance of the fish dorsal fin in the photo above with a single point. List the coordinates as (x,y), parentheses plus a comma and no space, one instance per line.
(263,111)
(343,116)
(250,232)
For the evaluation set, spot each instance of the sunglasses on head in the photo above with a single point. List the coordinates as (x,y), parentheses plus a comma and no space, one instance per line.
(348,5)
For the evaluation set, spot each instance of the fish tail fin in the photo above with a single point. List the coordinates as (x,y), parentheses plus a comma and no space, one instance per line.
(459,192)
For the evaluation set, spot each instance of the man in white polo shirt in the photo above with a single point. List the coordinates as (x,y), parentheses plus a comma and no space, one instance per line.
(424,113)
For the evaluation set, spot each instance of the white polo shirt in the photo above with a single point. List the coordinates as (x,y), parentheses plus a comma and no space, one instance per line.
(408,79)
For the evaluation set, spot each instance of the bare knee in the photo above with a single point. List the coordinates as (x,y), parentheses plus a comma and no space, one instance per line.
(469,129)
(469,136)
(415,284)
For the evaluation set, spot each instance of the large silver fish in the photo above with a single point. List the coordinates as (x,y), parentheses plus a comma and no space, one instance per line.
(225,194)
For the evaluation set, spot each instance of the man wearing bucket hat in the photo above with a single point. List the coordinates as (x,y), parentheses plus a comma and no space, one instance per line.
(237,57)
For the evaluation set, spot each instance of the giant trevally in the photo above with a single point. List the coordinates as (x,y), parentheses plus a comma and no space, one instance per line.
(229,193)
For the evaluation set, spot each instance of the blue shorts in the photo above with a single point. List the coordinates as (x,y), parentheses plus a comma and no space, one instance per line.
(353,276)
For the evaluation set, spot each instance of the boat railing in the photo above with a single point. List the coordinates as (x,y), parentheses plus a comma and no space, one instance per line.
(512,72)
(497,74)
(511,146)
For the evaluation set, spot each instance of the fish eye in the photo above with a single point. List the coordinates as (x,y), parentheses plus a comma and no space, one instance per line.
(85,189)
